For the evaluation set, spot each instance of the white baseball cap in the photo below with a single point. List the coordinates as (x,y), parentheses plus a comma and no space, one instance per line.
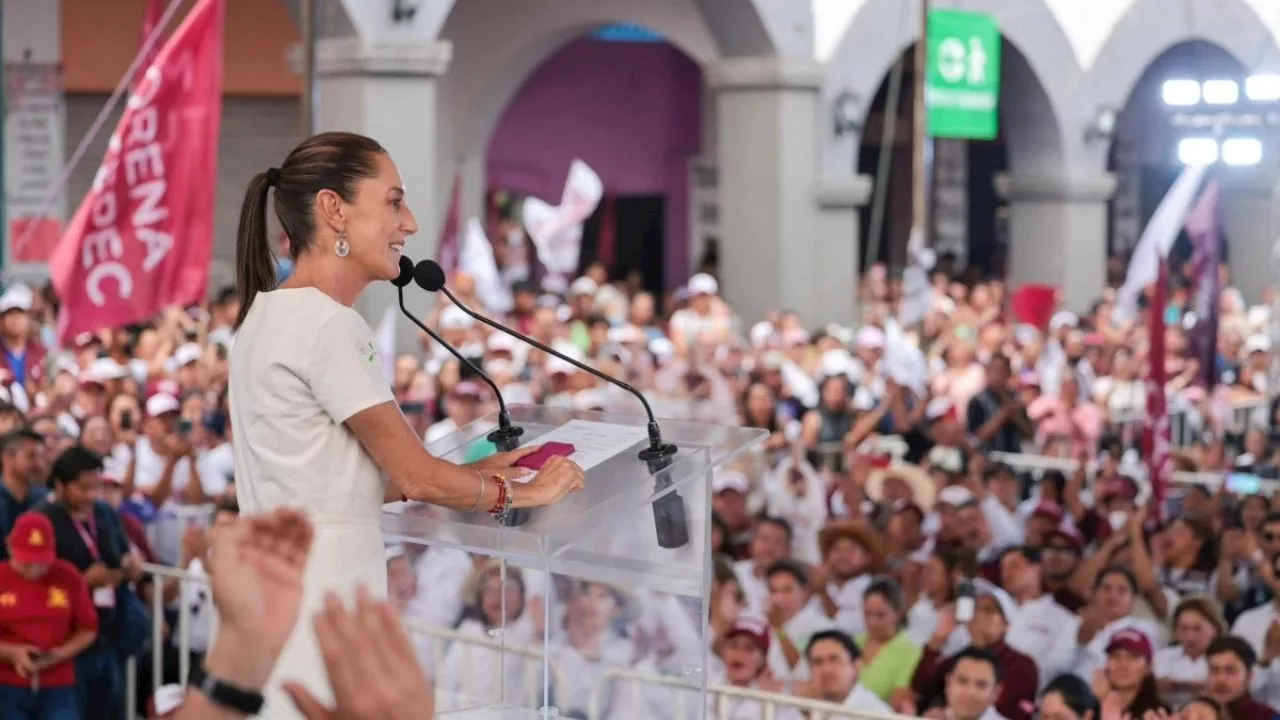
(161,404)
(186,354)
(17,297)
(103,370)
(583,286)
(453,318)
(730,480)
(703,284)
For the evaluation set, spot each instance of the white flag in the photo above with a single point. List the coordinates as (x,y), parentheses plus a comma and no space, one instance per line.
(556,231)
(477,261)
(1157,238)
(917,293)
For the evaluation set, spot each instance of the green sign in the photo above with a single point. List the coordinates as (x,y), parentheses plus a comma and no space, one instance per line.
(962,88)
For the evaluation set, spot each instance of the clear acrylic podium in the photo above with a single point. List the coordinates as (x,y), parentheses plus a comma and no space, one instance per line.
(620,538)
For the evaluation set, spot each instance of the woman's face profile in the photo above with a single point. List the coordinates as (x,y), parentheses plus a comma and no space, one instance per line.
(378,220)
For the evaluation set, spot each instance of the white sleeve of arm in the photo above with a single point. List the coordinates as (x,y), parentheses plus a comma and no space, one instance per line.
(344,371)
(1005,531)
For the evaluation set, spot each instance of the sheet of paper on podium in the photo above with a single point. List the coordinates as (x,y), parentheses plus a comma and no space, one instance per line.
(594,442)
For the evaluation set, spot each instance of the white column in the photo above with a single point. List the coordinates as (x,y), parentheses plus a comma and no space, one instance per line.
(836,238)
(1058,233)
(388,92)
(774,251)
(1250,224)
(35,126)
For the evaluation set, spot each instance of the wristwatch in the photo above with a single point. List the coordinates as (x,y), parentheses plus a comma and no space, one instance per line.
(231,697)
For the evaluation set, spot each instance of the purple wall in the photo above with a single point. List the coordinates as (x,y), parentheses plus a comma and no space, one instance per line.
(629,110)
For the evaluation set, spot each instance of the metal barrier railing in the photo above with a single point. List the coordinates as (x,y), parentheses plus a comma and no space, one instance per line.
(718,695)
(719,698)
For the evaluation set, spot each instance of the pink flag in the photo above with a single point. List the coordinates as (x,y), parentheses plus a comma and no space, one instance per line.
(448,249)
(142,237)
(1157,442)
(150,24)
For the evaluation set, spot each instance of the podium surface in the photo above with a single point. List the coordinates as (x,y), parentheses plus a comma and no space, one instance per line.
(635,541)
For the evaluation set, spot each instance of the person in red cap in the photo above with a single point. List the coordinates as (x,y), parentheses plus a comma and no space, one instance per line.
(46,620)
(1127,683)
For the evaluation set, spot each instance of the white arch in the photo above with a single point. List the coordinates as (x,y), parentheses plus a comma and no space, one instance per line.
(883,29)
(1150,27)
(491,62)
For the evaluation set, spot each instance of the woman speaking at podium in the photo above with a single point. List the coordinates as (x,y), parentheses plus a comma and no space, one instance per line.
(317,427)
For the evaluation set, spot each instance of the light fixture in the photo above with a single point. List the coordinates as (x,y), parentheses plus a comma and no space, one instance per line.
(403,11)
(1198,151)
(1181,93)
(846,113)
(1221,92)
(1103,127)
(1262,88)
(1242,151)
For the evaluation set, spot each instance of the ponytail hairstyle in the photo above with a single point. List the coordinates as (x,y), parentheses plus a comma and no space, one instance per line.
(335,161)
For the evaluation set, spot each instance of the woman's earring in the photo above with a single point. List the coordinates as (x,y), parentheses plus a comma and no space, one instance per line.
(342,247)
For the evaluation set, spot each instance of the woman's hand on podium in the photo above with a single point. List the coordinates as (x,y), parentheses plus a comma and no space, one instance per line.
(503,463)
(558,477)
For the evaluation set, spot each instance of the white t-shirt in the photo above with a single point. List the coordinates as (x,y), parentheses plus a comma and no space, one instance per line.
(217,467)
(301,366)
(148,467)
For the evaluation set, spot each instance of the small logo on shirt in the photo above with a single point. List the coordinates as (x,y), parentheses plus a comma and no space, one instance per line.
(58,598)
(8,600)
(368,350)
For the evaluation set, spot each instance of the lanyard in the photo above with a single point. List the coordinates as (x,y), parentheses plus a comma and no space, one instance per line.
(88,531)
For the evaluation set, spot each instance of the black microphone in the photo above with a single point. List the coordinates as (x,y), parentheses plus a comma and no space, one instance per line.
(507,436)
(668,511)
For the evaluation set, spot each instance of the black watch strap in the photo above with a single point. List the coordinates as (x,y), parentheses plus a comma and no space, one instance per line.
(231,697)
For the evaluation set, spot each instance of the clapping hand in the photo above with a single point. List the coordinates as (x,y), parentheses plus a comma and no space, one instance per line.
(371,664)
(256,566)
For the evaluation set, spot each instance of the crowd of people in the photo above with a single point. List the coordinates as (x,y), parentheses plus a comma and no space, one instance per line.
(878,550)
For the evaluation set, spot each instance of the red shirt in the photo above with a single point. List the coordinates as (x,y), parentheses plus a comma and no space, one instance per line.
(44,613)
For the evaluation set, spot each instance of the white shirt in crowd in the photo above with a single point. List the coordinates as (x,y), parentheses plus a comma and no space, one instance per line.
(848,601)
(1252,626)
(148,468)
(442,573)
(1045,631)
(799,629)
(756,589)
(217,467)
(472,674)
(1172,663)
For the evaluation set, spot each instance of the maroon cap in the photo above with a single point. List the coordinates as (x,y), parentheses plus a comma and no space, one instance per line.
(755,629)
(1049,510)
(1071,535)
(1118,486)
(1131,641)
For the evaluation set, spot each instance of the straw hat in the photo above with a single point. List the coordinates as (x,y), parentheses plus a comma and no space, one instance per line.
(921,485)
(860,533)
